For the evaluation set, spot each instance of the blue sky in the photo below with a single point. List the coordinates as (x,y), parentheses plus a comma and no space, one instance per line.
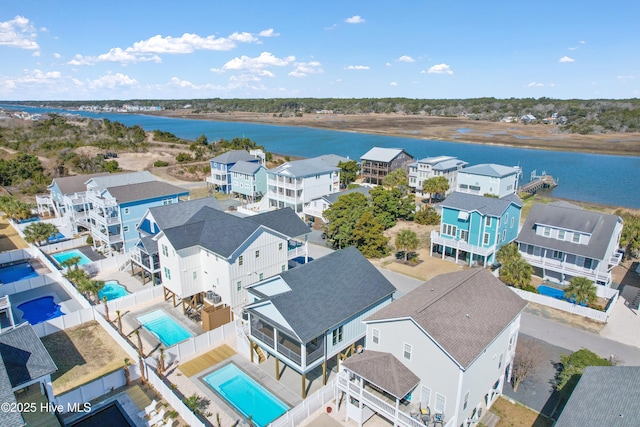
(86,50)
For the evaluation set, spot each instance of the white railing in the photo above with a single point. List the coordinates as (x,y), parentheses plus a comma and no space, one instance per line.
(600,316)
(296,251)
(174,401)
(27,284)
(560,266)
(296,415)
(62,323)
(461,244)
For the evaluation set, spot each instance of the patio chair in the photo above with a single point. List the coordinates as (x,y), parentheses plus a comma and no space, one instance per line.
(148,410)
(438,418)
(425,414)
(156,418)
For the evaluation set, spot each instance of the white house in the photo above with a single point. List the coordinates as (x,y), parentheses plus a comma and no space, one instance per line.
(316,207)
(444,349)
(489,179)
(432,167)
(561,240)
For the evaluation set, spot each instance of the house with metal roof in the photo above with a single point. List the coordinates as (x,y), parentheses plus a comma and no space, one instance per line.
(378,162)
(562,241)
(604,396)
(306,316)
(117,210)
(24,362)
(221,165)
(442,352)
(298,182)
(489,179)
(68,201)
(432,167)
(316,207)
(473,228)
(249,180)
(213,256)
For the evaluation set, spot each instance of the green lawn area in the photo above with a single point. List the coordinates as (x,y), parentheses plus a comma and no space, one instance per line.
(82,354)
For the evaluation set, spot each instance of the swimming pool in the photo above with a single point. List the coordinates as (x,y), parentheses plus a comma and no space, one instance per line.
(112,290)
(555,293)
(39,310)
(246,395)
(164,327)
(61,257)
(56,237)
(16,272)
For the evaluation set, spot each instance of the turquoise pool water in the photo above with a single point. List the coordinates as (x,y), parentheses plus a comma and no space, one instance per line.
(112,290)
(554,293)
(164,327)
(16,272)
(39,310)
(60,257)
(246,395)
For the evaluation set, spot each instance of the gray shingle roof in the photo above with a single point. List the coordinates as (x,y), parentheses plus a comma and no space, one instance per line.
(485,205)
(233,156)
(76,183)
(332,159)
(24,356)
(118,179)
(247,168)
(8,418)
(302,168)
(333,197)
(600,226)
(380,154)
(284,221)
(328,291)
(144,191)
(149,244)
(383,370)
(462,311)
(175,214)
(490,169)
(604,396)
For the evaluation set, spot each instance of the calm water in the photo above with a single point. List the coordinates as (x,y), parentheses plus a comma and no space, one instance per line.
(597,178)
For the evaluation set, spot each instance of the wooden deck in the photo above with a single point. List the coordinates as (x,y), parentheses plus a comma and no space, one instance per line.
(139,397)
(207,360)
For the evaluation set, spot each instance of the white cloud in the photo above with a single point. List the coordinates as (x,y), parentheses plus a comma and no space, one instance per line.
(572,48)
(268,33)
(356,67)
(332,27)
(625,79)
(57,55)
(36,53)
(440,69)
(112,81)
(185,84)
(405,58)
(18,32)
(304,68)
(582,42)
(566,59)
(535,84)
(266,59)
(355,19)
(243,37)
(393,84)
(388,64)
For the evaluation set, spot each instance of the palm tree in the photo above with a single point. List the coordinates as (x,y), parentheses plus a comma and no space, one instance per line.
(119,321)
(106,308)
(143,377)
(507,253)
(407,240)
(435,185)
(516,272)
(14,209)
(39,232)
(140,348)
(161,361)
(581,290)
(71,262)
(127,374)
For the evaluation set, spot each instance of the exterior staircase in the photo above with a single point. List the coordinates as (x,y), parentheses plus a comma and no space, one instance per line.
(259,352)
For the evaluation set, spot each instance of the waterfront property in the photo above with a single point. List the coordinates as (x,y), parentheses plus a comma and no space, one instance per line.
(378,162)
(221,176)
(561,241)
(432,167)
(442,352)
(473,227)
(249,180)
(305,316)
(489,179)
(316,207)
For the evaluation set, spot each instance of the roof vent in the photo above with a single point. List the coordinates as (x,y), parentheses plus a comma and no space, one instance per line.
(467,316)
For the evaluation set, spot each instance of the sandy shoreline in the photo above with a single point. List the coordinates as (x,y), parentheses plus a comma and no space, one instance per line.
(537,136)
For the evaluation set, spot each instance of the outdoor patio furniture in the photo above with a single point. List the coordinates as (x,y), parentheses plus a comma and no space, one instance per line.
(156,418)
(148,410)
(425,414)
(438,418)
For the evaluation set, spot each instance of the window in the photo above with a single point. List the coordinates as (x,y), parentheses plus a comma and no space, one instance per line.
(587,263)
(241,260)
(576,237)
(283,268)
(165,251)
(258,254)
(261,276)
(485,240)
(167,273)
(126,211)
(557,255)
(441,403)
(513,219)
(464,235)
(504,235)
(425,396)
(449,229)
(466,401)
(239,286)
(337,335)
(125,228)
(546,232)
(561,234)
(487,221)
(280,246)
(500,361)
(406,352)
(375,336)
(195,275)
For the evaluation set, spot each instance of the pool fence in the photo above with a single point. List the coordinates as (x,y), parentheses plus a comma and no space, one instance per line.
(27,284)
(65,245)
(296,415)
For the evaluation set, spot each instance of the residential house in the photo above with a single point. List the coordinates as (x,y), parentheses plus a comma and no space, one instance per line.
(221,254)
(221,166)
(473,228)
(528,119)
(298,182)
(68,197)
(489,179)
(446,347)
(562,241)
(378,162)
(306,316)
(248,180)
(24,362)
(144,254)
(316,207)
(432,167)
(604,396)
(117,209)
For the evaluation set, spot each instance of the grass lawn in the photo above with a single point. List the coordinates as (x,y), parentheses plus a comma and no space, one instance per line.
(82,354)
(516,415)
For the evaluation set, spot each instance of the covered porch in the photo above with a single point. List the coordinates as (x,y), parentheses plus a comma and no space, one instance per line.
(461,250)
(144,255)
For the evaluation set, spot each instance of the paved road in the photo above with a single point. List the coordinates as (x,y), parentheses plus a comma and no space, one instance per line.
(574,339)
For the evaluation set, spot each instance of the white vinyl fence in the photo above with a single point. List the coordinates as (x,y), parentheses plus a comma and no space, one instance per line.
(130,300)
(176,403)
(62,323)
(295,416)
(14,255)
(64,245)
(197,344)
(27,284)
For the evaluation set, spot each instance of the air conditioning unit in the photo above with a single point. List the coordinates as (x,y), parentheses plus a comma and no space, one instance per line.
(210,295)
(216,298)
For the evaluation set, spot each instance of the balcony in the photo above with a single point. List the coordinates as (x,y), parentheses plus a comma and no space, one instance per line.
(262,332)
(143,259)
(461,245)
(296,249)
(563,267)
(289,348)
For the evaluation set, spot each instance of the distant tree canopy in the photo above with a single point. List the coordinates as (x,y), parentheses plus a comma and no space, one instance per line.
(348,171)
(630,238)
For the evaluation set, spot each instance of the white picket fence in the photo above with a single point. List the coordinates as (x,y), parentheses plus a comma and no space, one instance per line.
(295,416)
(600,316)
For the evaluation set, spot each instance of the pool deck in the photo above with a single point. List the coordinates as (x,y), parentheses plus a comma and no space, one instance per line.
(60,296)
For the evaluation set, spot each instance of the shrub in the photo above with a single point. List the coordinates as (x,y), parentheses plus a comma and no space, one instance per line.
(183,157)
(89,240)
(160,163)
(530,288)
(427,216)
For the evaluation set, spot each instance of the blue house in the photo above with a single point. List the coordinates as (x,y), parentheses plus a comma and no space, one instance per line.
(221,166)
(249,180)
(473,228)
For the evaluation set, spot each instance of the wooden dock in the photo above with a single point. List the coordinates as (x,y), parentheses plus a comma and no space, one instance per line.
(538,182)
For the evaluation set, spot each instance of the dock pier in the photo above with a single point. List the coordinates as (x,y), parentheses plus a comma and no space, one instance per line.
(538,182)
